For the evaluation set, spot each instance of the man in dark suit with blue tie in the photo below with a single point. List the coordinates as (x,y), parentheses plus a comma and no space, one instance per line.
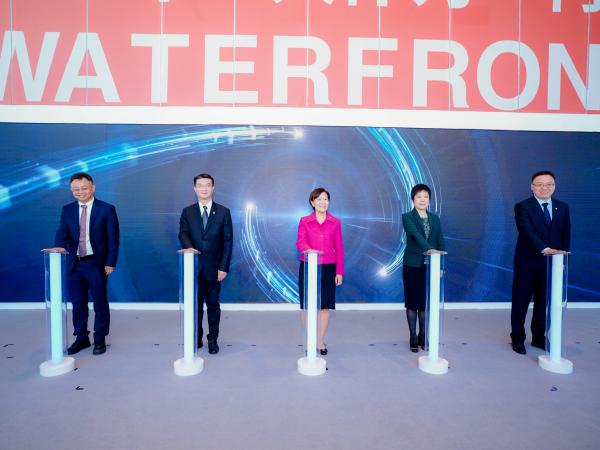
(544,228)
(206,227)
(89,232)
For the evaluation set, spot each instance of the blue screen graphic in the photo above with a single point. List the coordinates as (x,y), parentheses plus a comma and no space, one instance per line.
(265,174)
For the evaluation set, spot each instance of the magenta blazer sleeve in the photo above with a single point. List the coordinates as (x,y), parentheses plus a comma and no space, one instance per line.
(302,242)
(339,250)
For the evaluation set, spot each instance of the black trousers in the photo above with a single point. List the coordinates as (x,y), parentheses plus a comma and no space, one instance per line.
(208,292)
(85,278)
(529,280)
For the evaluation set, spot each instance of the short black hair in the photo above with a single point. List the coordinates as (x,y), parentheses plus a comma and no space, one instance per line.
(418,188)
(204,175)
(542,172)
(315,194)
(81,176)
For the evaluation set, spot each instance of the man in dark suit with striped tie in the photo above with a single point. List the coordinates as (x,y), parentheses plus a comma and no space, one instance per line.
(206,227)
(89,233)
(544,228)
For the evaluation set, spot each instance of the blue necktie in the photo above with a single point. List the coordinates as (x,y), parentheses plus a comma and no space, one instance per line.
(547,213)
(205,217)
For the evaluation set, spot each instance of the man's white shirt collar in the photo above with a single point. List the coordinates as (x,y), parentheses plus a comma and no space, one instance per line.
(541,202)
(88,203)
(208,207)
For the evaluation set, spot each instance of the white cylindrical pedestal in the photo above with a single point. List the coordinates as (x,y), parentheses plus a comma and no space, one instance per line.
(312,367)
(556,298)
(51,369)
(563,366)
(311,364)
(189,364)
(433,363)
(58,364)
(185,368)
(438,366)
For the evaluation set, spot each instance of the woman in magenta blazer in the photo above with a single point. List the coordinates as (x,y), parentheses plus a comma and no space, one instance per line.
(323,232)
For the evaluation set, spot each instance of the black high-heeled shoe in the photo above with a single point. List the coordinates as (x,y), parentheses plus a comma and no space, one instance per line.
(421,340)
(413,344)
(323,351)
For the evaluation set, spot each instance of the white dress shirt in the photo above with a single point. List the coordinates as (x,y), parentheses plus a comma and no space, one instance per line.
(208,208)
(549,201)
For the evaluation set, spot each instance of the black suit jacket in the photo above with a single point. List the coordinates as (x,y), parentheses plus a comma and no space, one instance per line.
(535,235)
(214,244)
(104,233)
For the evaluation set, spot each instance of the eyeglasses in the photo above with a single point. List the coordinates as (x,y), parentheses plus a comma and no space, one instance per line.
(544,185)
(77,190)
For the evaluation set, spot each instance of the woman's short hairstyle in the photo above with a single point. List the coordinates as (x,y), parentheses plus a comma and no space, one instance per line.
(418,188)
(315,194)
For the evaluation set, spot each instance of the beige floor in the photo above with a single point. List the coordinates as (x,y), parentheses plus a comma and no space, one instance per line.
(251,397)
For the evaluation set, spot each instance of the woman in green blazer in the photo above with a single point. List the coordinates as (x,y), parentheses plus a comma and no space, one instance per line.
(423,235)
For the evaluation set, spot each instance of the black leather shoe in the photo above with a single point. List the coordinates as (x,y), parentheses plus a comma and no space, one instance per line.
(200,344)
(99,348)
(519,348)
(323,351)
(213,347)
(77,346)
(539,344)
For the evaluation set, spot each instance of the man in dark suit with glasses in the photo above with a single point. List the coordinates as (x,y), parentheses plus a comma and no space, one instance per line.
(544,228)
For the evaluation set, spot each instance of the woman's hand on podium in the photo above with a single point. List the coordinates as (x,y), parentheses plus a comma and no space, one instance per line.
(188,250)
(54,250)
(433,251)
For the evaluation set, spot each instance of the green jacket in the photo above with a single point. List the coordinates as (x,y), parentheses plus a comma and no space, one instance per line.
(416,244)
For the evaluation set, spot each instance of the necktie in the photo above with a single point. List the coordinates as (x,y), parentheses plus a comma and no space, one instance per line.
(546,213)
(204,217)
(82,231)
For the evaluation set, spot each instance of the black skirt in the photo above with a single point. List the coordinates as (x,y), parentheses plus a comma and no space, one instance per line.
(415,287)
(327,285)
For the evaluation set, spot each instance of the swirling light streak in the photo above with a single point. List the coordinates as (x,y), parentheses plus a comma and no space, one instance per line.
(109,155)
(272,281)
(407,172)
(392,149)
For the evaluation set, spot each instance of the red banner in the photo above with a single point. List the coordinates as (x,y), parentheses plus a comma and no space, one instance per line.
(466,55)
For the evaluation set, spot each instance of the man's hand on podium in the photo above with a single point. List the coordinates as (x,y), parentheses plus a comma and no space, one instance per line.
(54,250)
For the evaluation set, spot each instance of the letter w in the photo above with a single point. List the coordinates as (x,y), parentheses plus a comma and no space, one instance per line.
(33,85)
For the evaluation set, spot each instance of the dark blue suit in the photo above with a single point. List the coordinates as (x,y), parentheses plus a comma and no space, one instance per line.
(529,277)
(215,244)
(88,274)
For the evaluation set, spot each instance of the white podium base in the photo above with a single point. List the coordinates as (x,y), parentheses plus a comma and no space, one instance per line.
(185,368)
(52,369)
(563,366)
(315,367)
(438,367)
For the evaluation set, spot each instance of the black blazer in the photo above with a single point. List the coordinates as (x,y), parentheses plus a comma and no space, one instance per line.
(104,233)
(535,235)
(416,244)
(214,244)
